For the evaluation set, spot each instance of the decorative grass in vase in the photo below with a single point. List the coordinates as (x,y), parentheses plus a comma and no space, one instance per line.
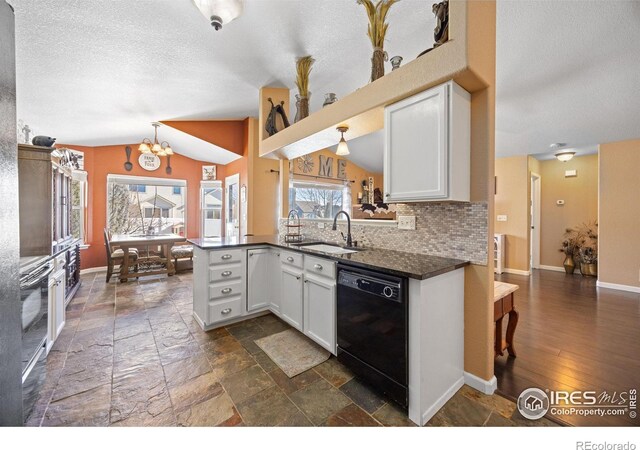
(303,69)
(377,15)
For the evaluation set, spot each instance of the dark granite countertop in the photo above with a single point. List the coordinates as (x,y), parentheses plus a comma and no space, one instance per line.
(412,265)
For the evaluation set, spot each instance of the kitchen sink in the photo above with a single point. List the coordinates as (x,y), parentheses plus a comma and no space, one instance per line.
(331,249)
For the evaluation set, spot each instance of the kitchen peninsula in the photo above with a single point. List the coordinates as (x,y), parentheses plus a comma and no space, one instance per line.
(236,279)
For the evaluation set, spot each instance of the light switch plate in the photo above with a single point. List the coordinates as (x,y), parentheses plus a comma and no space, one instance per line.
(502,218)
(406,222)
(570,173)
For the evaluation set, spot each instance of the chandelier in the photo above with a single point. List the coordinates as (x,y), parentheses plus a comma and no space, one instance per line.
(157,148)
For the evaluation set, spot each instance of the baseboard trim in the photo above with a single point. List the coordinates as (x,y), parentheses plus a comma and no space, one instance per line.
(554,268)
(93,269)
(517,272)
(485,386)
(618,287)
(444,398)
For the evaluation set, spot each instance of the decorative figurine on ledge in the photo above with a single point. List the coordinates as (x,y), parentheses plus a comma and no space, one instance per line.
(271,127)
(43,141)
(441,31)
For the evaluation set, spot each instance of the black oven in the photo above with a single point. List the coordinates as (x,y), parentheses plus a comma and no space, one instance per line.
(372,329)
(34,296)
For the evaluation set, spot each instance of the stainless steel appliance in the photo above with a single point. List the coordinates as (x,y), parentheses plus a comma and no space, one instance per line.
(372,329)
(34,299)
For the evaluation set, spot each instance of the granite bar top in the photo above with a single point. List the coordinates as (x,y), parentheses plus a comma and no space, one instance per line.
(412,265)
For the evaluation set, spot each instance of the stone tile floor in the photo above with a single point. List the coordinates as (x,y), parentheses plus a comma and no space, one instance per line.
(132,355)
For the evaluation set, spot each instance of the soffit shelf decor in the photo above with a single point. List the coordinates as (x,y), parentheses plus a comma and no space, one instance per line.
(363,110)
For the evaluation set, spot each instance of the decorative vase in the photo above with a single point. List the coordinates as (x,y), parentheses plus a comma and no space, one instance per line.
(569,265)
(329,99)
(377,63)
(302,107)
(589,269)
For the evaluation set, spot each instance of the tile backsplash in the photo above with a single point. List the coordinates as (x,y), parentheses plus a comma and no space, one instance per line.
(455,230)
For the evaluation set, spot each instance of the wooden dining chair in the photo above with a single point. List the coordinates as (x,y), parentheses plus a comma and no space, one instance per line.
(115,256)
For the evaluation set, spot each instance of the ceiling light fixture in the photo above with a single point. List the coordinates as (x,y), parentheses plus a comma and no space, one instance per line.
(157,148)
(220,12)
(565,155)
(343,148)
(562,155)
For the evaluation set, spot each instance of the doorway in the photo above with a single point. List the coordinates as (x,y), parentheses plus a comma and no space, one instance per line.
(232,213)
(534,251)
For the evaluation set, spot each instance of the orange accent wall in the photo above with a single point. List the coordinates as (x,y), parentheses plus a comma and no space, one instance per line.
(102,161)
(228,134)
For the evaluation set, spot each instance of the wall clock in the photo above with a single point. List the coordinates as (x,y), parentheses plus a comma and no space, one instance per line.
(305,163)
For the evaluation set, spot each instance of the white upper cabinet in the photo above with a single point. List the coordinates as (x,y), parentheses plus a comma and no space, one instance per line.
(427,146)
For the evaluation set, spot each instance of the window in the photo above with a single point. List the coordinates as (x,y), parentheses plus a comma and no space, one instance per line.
(319,200)
(78,204)
(140,205)
(211,206)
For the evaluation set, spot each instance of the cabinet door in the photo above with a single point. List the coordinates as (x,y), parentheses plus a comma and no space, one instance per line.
(291,299)
(60,297)
(275,281)
(258,280)
(320,311)
(416,147)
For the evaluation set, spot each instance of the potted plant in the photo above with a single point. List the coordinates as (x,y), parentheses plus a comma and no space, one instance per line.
(588,251)
(571,247)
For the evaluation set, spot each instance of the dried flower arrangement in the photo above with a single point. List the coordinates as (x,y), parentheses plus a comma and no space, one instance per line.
(377,30)
(581,246)
(303,69)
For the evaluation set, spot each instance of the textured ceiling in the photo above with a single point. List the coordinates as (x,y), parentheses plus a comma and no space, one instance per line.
(97,72)
(567,71)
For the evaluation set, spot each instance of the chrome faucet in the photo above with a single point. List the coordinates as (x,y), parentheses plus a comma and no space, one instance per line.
(335,226)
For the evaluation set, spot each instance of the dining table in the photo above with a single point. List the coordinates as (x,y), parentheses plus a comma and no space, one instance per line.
(138,241)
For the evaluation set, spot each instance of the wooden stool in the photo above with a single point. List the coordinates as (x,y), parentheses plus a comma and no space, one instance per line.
(503,304)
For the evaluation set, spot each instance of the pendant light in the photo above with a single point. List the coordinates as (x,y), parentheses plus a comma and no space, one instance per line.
(343,148)
(157,148)
(220,12)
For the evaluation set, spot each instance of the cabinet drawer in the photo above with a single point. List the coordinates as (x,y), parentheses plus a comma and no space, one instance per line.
(320,266)
(224,290)
(225,256)
(226,273)
(224,310)
(295,259)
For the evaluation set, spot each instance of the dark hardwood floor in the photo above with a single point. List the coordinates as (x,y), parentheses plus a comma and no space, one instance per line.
(572,336)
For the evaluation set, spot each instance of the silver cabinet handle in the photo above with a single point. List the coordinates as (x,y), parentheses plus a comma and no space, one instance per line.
(289,258)
(306,281)
(251,254)
(225,311)
(226,273)
(225,257)
(317,267)
(226,290)
(297,278)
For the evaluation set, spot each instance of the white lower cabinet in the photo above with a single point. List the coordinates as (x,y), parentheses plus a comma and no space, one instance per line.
(258,279)
(320,311)
(274,281)
(291,297)
(57,315)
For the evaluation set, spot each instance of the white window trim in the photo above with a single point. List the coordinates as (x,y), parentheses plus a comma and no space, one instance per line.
(133,179)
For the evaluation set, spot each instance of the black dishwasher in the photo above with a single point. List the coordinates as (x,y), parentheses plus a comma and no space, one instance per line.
(372,329)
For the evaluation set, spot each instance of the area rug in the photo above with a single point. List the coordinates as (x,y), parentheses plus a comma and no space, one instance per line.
(292,351)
